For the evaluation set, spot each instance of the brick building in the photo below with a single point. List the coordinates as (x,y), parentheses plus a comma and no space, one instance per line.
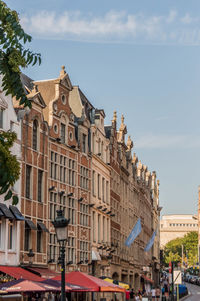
(131,198)
(71,161)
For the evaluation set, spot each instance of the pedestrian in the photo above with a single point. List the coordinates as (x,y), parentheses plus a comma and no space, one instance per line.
(157,293)
(132,295)
(137,297)
(153,293)
(127,295)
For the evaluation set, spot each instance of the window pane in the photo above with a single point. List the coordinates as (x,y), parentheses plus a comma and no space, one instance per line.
(40,175)
(35,134)
(28,181)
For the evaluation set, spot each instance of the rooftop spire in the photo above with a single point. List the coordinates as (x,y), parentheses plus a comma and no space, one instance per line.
(62,71)
(114,116)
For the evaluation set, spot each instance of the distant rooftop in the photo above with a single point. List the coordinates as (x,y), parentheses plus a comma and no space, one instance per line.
(179,216)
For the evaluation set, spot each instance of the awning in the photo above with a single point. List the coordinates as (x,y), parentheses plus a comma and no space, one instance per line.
(6,212)
(30,224)
(147,279)
(92,283)
(42,227)
(24,285)
(44,272)
(96,256)
(121,284)
(18,273)
(15,211)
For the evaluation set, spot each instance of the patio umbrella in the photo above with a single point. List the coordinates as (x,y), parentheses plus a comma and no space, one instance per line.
(22,285)
(92,283)
(68,286)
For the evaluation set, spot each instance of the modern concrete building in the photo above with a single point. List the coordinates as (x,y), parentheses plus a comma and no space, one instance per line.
(176,225)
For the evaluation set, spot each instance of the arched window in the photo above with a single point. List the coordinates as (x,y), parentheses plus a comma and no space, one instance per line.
(35,134)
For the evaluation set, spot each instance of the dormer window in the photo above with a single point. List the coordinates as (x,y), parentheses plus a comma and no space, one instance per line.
(63,99)
(35,134)
(62,132)
(84,143)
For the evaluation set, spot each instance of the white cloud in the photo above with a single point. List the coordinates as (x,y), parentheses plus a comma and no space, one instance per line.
(151,141)
(187,19)
(114,26)
(172,16)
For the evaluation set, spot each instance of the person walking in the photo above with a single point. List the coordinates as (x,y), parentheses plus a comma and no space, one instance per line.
(157,293)
(153,293)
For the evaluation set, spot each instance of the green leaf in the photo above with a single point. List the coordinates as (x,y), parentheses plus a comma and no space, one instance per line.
(8,195)
(15,200)
(4,189)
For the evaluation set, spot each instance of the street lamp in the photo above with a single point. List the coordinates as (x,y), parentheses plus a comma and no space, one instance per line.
(60,225)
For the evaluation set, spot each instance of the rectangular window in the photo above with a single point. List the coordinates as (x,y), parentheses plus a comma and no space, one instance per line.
(51,168)
(55,171)
(94,226)
(10,236)
(84,143)
(27,236)
(1,118)
(98,187)
(99,228)
(107,193)
(39,240)
(40,175)
(61,173)
(103,189)
(93,183)
(62,133)
(28,181)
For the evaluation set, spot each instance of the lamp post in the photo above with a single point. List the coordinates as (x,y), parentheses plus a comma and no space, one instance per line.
(60,225)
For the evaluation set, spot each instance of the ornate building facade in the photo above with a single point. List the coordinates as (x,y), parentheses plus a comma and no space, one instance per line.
(72,161)
(133,193)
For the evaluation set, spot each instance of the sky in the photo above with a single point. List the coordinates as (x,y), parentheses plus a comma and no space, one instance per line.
(140,58)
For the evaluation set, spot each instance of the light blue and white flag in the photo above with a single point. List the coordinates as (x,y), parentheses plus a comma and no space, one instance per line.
(134,233)
(150,242)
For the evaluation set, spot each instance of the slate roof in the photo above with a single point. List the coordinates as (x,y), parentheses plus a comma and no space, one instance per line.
(27,82)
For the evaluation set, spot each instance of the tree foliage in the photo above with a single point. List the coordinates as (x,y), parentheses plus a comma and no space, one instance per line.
(13,57)
(9,166)
(13,54)
(173,249)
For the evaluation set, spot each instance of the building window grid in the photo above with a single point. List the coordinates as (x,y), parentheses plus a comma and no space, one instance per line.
(53,248)
(72,172)
(53,205)
(84,181)
(71,211)
(84,217)
(71,249)
(54,165)
(84,253)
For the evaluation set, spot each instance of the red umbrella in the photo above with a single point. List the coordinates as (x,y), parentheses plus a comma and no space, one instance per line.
(22,285)
(68,286)
(92,283)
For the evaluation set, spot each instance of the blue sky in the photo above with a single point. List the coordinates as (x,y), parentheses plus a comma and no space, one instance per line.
(141,58)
